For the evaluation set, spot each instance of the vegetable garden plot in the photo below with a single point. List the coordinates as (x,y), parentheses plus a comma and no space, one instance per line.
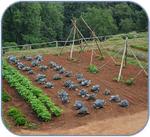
(39,101)
(137,100)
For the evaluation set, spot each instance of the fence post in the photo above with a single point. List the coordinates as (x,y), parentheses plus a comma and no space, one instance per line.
(56,44)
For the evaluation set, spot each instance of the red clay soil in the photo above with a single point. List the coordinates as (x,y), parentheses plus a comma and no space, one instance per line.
(137,95)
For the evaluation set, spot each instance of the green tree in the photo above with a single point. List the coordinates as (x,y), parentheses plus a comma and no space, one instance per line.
(52,22)
(31,22)
(127,25)
(100,20)
(12,24)
(141,21)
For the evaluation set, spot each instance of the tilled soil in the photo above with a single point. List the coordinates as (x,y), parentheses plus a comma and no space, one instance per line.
(136,94)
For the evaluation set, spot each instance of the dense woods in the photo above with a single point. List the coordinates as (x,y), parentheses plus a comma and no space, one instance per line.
(32,22)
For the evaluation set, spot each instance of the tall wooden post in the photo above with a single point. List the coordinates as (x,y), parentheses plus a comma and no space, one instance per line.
(121,66)
(56,44)
(91,56)
(66,41)
(126,52)
(74,33)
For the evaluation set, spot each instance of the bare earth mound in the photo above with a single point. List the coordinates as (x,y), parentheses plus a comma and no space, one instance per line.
(112,119)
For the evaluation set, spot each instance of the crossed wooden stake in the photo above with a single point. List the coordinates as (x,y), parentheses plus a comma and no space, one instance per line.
(75,30)
(124,59)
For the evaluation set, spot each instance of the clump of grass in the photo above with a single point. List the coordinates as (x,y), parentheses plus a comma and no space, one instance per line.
(31,125)
(129,35)
(129,81)
(5,97)
(116,79)
(73,60)
(140,47)
(100,57)
(93,68)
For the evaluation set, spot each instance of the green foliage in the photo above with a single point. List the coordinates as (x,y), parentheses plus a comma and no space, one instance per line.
(126,25)
(5,97)
(140,47)
(17,116)
(34,96)
(129,81)
(141,21)
(9,44)
(33,22)
(100,20)
(92,69)
(130,36)
(52,21)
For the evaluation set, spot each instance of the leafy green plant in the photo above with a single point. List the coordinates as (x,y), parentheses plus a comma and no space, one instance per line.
(92,69)
(39,101)
(17,116)
(5,97)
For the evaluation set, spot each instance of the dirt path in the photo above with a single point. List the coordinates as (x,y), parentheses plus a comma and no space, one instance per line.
(124,125)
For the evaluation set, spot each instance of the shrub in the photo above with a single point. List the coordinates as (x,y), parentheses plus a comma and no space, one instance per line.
(21,121)
(130,36)
(93,69)
(9,44)
(5,97)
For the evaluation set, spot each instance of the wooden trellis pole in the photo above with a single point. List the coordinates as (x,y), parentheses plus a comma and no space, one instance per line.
(79,32)
(139,62)
(123,59)
(126,52)
(66,41)
(92,53)
(74,34)
(94,35)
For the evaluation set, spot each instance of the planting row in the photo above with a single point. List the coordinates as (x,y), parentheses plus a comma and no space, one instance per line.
(69,84)
(39,101)
(17,116)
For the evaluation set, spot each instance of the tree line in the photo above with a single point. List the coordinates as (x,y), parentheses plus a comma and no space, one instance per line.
(31,22)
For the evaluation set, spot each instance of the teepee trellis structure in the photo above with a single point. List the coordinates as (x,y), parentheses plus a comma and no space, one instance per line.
(94,37)
(72,46)
(124,60)
(75,31)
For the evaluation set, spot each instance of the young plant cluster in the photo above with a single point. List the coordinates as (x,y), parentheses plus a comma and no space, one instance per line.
(17,116)
(5,97)
(39,101)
